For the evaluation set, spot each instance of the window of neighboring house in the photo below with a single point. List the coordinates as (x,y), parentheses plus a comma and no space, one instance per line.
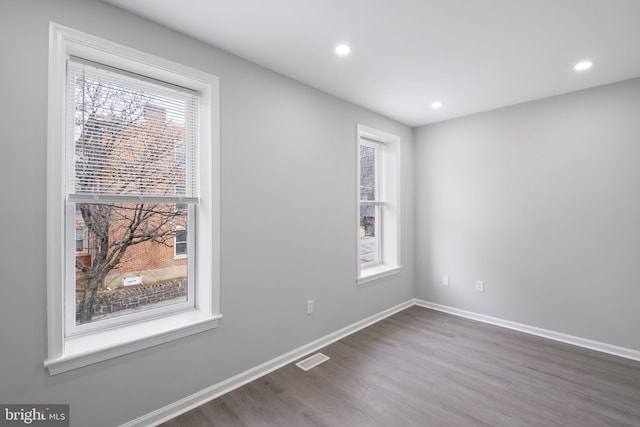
(378,204)
(133,165)
(80,243)
(180,243)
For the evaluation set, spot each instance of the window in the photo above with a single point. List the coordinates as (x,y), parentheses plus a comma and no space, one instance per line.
(80,243)
(180,243)
(132,167)
(378,204)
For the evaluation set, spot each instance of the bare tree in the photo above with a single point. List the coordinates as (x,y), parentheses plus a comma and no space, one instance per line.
(114,228)
(124,146)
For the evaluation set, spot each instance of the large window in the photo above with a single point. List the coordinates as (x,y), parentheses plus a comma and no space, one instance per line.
(378,204)
(123,178)
(132,176)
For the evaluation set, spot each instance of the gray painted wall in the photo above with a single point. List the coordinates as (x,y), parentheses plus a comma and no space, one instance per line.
(288,152)
(541,201)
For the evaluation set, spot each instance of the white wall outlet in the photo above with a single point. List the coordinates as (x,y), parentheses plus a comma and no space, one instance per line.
(445,280)
(310,306)
(479,286)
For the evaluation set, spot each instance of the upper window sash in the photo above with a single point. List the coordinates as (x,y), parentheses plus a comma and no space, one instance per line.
(123,131)
(372,190)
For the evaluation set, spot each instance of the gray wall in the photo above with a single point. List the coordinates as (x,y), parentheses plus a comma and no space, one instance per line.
(288,221)
(542,202)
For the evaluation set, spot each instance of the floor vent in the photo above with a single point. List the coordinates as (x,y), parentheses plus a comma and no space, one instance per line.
(312,362)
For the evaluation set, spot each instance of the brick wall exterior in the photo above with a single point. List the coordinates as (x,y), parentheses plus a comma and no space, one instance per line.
(149,256)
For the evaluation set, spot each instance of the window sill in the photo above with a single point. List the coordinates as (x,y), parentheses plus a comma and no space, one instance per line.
(377,272)
(88,349)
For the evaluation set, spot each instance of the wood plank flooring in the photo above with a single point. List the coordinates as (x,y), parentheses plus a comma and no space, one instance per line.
(420,367)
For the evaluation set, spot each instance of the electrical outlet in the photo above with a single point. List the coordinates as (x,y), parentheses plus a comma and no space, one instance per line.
(445,280)
(479,286)
(310,306)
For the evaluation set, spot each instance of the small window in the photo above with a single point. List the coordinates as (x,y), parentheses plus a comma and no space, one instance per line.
(80,243)
(180,243)
(378,204)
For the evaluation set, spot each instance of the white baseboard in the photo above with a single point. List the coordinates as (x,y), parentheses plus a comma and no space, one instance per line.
(545,333)
(183,405)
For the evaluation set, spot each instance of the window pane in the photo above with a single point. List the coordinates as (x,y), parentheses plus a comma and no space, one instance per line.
(129,264)
(181,248)
(181,235)
(369,239)
(367,173)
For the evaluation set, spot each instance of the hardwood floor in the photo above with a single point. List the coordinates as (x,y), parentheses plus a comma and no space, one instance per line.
(420,367)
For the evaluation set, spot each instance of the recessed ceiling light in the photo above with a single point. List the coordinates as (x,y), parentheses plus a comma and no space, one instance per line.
(583,65)
(436,105)
(342,50)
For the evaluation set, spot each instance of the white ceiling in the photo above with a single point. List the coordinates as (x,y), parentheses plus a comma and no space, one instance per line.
(473,55)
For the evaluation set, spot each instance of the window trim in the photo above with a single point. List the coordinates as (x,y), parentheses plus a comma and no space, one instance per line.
(389,202)
(66,353)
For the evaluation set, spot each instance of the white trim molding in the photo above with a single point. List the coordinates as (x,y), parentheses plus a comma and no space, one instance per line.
(533,330)
(190,402)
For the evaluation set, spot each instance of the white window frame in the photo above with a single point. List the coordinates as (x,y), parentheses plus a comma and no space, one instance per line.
(68,351)
(387,203)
